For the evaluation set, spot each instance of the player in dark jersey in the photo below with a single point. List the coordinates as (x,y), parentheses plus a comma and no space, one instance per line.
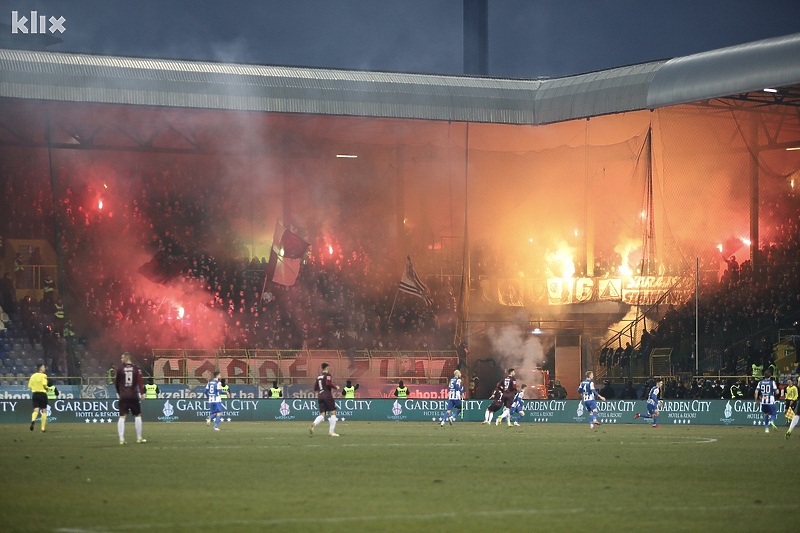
(497,403)
(130,387)
(324,387)
(509,391)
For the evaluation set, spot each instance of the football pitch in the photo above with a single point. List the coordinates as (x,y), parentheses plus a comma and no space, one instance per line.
(396,476)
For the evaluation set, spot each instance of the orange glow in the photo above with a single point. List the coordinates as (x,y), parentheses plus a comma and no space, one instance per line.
(180,312)
(624,250)
(100,204)
(719,247)
(745,241)
(330,250)
(561,262)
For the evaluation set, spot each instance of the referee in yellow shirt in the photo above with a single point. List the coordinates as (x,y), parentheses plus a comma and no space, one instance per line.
(38,386)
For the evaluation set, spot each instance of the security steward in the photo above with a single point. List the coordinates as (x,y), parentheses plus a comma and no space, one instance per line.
(736,390)
(401,392)
(150,390)
(48,288)
(111,374)
(275,391)
(225,390)
(52,390)
(59,316)
(349,391)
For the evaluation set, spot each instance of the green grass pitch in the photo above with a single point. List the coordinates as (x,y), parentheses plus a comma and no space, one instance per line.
(396,476)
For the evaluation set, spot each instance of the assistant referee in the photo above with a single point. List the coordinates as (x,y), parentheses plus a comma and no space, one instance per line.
(38,386)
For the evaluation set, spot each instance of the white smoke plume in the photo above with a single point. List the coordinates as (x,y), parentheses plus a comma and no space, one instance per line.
(513,346)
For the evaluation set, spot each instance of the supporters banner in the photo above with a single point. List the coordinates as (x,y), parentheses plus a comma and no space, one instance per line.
(183,408)
(647,290)
(609,289)
(644,290)
(299,365)
(510,292)
(559,290)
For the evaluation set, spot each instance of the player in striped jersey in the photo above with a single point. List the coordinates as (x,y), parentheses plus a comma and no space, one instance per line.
(212,393)
(653,403)
(589,395)
(517,406)
(765,393)
(455,392)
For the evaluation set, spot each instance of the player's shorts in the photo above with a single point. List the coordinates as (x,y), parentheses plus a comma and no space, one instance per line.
(326,404)
(591,405)
(516,410)
(39,400)
(494,407)
(768,409)
(215,407)
(126,404)
(453,404)
(651,408)
(508,400)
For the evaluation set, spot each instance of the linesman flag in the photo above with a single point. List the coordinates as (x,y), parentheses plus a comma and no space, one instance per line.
(411,283)
(286,256)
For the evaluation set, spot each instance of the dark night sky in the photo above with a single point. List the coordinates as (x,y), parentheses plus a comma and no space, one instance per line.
(527,39)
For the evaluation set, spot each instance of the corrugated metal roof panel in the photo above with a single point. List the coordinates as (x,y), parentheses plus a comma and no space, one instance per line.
(727,71)
(598,93)
(160,82)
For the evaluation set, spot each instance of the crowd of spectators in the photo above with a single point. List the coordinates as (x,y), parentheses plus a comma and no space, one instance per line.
(213,294)
(740,316)
(741,312)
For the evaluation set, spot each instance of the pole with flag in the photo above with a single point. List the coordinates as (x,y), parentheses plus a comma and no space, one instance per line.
(285,257)
(411,283)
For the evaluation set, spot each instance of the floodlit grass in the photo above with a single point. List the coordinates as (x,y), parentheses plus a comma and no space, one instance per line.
(396,476)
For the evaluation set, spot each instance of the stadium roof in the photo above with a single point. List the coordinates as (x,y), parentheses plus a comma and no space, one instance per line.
(741,71)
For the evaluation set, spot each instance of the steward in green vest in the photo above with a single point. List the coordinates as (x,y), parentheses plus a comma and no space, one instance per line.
(349,391)
(111,373)
(52,391)
(224,389)
(275,391)
(401,391)
(150,390)
(48,289)
(59,312)
(758,371)
(736,391)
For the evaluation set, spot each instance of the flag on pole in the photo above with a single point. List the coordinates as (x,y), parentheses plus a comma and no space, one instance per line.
(163,267)
(411,283)
(286,256)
